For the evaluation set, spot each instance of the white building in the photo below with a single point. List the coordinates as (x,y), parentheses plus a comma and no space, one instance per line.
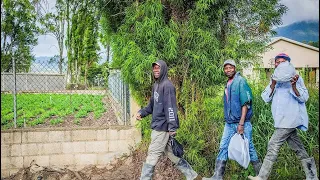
(302,56)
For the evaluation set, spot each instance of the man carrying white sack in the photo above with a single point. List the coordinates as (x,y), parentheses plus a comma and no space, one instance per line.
(288,95)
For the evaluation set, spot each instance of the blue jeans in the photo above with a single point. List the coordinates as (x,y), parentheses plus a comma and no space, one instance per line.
(229,131)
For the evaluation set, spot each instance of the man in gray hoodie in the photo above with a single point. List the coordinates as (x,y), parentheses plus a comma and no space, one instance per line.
(165,122)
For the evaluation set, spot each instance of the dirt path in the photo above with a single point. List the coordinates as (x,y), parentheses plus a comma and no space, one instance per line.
(124,168)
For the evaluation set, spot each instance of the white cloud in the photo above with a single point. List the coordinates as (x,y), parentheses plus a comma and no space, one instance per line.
(300,10)
(47,46)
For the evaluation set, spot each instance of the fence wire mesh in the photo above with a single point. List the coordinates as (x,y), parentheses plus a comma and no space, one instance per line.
(47,94)
(119,92)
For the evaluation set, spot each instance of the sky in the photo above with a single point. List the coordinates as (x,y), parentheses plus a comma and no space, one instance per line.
(298,10)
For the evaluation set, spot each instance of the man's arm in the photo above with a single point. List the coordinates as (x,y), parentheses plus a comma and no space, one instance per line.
(246,103)
(269,91)
(147,110)
(244,111)
(272,86)
(170,108)
(299,90)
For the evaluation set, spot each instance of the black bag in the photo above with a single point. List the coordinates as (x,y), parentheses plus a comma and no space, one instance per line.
(176,147)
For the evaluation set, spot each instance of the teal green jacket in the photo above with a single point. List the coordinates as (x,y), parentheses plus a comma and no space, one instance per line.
(240,94)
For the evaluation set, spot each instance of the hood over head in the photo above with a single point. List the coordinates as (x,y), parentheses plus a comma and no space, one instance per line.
(163,70)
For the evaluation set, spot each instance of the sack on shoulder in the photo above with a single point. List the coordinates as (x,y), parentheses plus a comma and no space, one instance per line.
(177,148)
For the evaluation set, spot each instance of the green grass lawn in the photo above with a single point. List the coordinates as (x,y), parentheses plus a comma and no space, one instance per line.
(37,108)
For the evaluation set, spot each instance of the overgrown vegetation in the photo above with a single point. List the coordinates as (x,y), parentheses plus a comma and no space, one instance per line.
(194,38)
(38,108)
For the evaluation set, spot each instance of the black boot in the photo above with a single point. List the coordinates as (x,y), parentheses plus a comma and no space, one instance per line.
(186,169)
(264,172)
(309,167)
(218,170)
(147,172)
(256,166)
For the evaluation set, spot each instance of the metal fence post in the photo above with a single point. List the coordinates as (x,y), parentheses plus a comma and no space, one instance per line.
(125,103)
(14,92)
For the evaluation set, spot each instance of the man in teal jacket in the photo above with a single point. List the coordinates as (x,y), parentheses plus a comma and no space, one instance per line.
(237,114)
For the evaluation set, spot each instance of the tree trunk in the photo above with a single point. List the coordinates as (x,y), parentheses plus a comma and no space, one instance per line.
(108,53)
(60,39)
(76,70)
(85,74)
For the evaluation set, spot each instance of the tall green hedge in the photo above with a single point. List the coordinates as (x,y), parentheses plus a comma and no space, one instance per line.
(194,38)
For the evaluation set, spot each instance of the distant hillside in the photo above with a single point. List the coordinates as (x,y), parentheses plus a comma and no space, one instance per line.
(42,64)
(300,31)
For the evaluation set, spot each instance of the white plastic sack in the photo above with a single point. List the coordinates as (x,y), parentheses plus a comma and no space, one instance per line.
(284,72)
(238,150)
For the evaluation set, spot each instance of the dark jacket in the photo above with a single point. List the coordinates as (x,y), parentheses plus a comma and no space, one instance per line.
(163,103)
(239,95)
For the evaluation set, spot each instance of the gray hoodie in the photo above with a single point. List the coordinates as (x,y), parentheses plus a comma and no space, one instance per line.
(163,103)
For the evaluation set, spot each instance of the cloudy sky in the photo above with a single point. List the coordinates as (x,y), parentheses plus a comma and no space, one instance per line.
(299,10)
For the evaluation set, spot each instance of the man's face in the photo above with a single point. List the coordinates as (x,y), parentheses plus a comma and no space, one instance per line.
(156,71)
(278,61)
(229,70)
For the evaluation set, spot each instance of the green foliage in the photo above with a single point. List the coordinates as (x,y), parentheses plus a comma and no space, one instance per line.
(81,114)
(194,38)
(56,121)
(98,73)
(82,38)
(18,34)
(312,43)
(40,108)
(76,121)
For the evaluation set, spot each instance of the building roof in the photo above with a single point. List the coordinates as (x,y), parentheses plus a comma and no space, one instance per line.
(276,39)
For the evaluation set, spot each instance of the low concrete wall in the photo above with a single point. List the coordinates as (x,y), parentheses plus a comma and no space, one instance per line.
(33,82)
(67,148)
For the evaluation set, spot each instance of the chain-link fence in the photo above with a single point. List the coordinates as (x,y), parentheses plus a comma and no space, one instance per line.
(119,91)
(44,93)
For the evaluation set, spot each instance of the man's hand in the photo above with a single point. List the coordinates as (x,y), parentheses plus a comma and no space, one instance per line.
(172,133)
(294,80)
(294,83)
(138,117)
(240,129)
(273,83)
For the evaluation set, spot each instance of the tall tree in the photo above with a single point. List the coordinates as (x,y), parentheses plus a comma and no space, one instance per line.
(18,34)
(112,13)
(194,37)
(82,38)
(90,42)
(54,24)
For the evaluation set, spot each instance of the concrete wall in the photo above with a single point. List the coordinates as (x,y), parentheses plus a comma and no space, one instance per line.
(70,148)
(33,82)
(134,108)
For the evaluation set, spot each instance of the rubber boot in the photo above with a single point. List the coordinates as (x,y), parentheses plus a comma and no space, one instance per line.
(309,167)
(186,169)
(264,172)
(256,166)
(147,172)
(218,170)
